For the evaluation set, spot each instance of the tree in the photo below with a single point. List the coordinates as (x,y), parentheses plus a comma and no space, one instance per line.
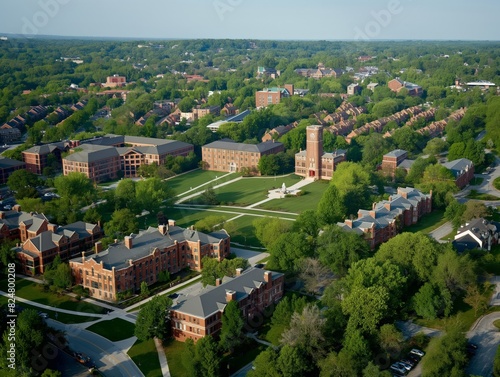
(338,249)
(206,355)
(51,373)
(338,365)
(407,139)
(122,222)
(269,165)
(288,250)
(144,289)
(427,302)
(231,333)
(292,362)
(7,254)
(475,298)
(474,210)
(153,319)
(314,275)
(210,223)
(266,229)
(331,207)
(306,332)
(366,307)
(372,370)
(308,224)
(151,193)
(266,364)
(454,272)
(441,181)
(125,194)
(446,355)
(209,197)
(496,363)
(23,183)
(75,185)
(435,146)
(213,269)
(353,182)
(390,339)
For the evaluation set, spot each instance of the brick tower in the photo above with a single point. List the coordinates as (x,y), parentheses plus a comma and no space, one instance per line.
(314,151)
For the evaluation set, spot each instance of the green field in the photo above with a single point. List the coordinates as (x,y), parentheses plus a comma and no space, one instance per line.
(145,356)
(182,183)
(187,217)
(309,200)
(428,222)
(61,317)
(31,291)
(173,351)
(247,191)
(115,330)
(233,211)
(244,233)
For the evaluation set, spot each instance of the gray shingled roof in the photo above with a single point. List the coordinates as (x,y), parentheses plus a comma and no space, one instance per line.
(232,145)
(457,167)
(145,242)
(92,153)
(396,153)
(46,148)
(213,299)
(8,163)
(45,241)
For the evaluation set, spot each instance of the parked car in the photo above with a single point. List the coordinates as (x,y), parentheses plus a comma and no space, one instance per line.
(43,315)
(404,365)
(398,370)
(411,363)
(417,352)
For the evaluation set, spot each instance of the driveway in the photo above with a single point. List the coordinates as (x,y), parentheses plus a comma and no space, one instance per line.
(487,337)
(108,358)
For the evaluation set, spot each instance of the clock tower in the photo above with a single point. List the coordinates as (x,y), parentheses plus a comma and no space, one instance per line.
(314,151)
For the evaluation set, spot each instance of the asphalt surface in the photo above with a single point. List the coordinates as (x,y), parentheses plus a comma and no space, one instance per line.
(108,358)
(487,337)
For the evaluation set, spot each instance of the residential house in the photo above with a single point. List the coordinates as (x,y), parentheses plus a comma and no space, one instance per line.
(277,132)
(227,155)
(254,289)
(272,96)
(387,218)
(477,234)
(143,257)
(396,85)
(353,89)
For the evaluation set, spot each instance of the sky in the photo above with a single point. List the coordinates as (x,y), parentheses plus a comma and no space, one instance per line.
(254,19)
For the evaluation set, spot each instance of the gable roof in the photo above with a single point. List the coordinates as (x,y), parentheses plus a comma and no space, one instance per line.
(213,299)
(232,145)
(459,166)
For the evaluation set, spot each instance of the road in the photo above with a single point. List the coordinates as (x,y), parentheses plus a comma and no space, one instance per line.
(441,232)
(487,337)
(108,358)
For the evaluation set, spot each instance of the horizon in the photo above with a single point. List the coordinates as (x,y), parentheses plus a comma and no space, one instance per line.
(294,20)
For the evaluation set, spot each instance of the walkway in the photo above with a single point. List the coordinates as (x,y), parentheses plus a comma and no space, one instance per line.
(278,194)
(441,232)
(165,371)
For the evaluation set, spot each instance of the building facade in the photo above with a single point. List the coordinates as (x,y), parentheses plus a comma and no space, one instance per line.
(313,162)
(387,218)
(143,257)
(7,167)
(227,155)
(115,81)
(462,170)
(272,96)
(194,317)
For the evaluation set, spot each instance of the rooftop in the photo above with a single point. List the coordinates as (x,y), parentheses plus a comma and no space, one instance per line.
(232,145)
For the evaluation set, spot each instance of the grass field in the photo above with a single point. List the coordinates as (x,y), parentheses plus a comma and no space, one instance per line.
(251,190)
(61,317)
(309,200)
(182,183)
(31,291)
(428,222)
(473,194)
(145,356)
(173,352)
(244,233)
(115,330)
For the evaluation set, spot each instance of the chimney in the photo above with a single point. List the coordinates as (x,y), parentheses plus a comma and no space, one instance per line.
(218,282)
(83,256)
(130,262)
(348,223)
(239,271)
(52,227)
(128,242)
(268,278)
(230,296)
(2,215)
(171,222)
(374,205)
(17,208)
(163,228)
(98,247)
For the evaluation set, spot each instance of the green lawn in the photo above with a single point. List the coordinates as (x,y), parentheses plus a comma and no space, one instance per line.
(242,355)
(185,217)
(473,194)
(145,356)
(115,330)
(31,291)
(244,233)
(61,317)
(173,351)
(309,200)
(476,181)
(428,222)
(232,211)
(185,182)
(247,191)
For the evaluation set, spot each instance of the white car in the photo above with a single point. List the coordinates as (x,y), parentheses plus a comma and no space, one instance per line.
(417,352)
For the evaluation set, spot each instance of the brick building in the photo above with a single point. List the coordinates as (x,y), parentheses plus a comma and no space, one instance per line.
(313,162)
(395,159)
(462,169)
(272,96)
(97,162)
(36,158)
(396,85)
(7,167)
(115,81)
(142,257)
(194,317)
(387,218)
(227,155)
(68,241)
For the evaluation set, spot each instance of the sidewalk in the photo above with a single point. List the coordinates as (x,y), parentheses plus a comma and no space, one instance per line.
(165,371)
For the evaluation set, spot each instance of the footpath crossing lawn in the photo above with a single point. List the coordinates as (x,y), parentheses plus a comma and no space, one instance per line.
(145,356)
(182,183)
(309,200)
(248,191)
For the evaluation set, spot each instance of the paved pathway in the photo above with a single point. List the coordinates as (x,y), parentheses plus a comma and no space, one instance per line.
(165,371)
(278,193)
(184,198)
(441,232)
